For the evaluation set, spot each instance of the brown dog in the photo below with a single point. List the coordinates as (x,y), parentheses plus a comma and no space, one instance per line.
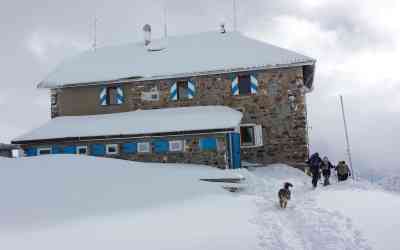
(284,194)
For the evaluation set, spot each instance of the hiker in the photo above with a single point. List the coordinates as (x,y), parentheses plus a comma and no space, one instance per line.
(326,170)
(315,167)
(343,171)
(284,194)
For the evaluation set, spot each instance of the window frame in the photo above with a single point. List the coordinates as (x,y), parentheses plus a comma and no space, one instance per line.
(258,138)
(182,145)
(139,147)
(108,146)
(42,149)
(115,88)
(240,76)
(180,82)
(82,147)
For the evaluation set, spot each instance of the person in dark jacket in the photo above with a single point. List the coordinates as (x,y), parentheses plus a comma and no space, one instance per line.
(315,168)
(343,171)
(326,170)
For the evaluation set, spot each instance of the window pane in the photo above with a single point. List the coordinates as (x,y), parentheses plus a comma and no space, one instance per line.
(244,85)
(82,151)
(182,90)
(247,135)
(112,96)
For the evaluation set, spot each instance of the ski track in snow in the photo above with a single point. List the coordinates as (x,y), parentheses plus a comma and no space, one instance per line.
(302,225)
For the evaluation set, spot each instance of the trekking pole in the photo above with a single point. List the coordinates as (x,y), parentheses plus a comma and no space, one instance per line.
(347,137)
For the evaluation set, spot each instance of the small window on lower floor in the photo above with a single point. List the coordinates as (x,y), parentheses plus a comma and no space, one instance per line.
(44,151)
(251,135)
(143,147)
(176,146)
(82,150)
(111,149)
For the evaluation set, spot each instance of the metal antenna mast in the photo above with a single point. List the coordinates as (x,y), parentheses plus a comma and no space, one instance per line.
(347,137)
(165,20)
(95,33)
(234,16)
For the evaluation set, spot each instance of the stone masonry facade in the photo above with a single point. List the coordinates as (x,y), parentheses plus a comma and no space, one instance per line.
(279,106)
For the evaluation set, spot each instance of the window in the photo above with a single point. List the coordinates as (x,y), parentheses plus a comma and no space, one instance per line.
(53,99)
(44,151)
(251,135)
(112,96)
(143,147)
(244,85)
(183,92)
(111,149)
(208,144)
(176,146)
(82,150)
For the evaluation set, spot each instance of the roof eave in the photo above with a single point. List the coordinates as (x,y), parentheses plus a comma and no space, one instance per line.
(47,85)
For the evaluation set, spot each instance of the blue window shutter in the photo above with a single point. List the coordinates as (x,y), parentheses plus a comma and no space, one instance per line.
(161,146)
(254,83)
(103,96)
(191,89)
(129,148)
(98,150)
(56,150)
(120,95)
(173,92)
(30,152)
(70,150)
(235,86)
(208,143)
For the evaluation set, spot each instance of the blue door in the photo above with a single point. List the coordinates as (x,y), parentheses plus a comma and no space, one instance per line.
(234,150)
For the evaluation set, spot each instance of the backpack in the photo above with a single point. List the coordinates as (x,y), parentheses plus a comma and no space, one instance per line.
(343,169)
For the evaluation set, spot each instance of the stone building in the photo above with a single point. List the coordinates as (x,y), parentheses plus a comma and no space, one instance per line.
(266,83)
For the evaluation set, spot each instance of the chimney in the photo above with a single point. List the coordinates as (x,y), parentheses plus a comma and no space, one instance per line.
(147,34)
(222,28)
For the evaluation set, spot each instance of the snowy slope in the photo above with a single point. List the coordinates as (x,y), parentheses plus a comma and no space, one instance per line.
(67,202)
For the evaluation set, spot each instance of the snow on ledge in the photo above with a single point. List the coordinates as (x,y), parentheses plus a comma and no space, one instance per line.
(137,122)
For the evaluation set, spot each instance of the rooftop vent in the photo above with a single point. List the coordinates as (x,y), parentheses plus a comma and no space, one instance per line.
(222,28)
(147,34)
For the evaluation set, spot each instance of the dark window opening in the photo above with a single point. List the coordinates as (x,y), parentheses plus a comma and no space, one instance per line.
(247,135)
(112,149)
(183,92)
(82,151)
(54,99)
(244,85)
(44,151)
(112,96)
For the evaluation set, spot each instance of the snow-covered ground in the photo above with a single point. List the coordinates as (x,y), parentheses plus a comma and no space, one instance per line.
(69,202)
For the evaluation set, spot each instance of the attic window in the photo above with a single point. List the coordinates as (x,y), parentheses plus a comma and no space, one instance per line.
(183,92)
(112,95)
(244,85)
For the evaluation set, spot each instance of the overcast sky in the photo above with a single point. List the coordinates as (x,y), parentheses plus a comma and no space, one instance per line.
(356,44)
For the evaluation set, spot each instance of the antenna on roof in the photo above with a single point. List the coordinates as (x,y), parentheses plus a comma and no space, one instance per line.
(234,16)
(94,45)
(165,20)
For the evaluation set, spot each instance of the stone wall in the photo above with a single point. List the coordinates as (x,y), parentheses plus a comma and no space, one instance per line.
(284,125)
(191,154)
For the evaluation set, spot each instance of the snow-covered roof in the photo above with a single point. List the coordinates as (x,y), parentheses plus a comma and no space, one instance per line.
(172,57)
(137,122)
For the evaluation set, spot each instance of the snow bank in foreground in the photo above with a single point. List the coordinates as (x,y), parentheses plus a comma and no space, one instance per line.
(68,202)
(374,212)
